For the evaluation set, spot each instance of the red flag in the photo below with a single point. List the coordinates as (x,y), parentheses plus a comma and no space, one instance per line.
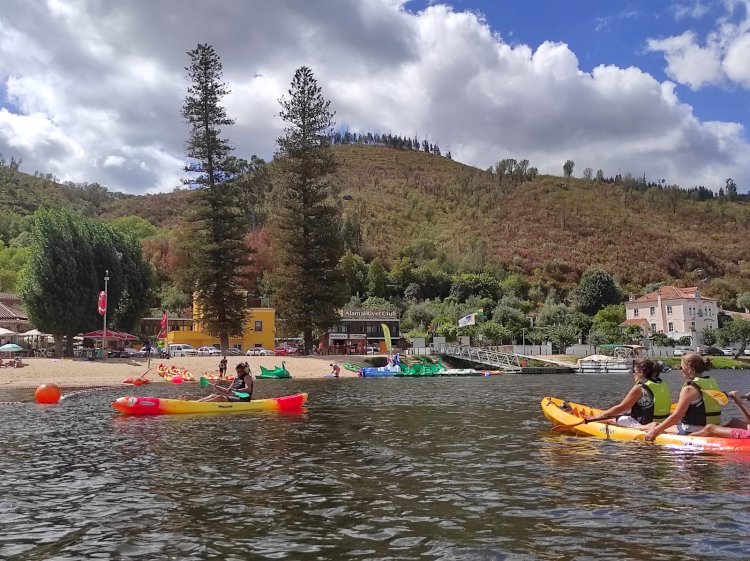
(102,304)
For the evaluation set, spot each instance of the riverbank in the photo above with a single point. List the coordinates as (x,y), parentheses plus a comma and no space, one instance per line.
(68,373)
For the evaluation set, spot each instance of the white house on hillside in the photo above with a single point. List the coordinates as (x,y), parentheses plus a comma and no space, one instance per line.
(676,312)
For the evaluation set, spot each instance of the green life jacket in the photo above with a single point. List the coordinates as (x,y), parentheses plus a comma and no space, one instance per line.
(707,411)
(654,404)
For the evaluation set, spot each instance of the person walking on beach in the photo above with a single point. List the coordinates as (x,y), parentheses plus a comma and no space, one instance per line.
(222,367)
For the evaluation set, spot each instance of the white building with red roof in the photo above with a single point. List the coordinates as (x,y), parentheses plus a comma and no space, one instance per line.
(676,312)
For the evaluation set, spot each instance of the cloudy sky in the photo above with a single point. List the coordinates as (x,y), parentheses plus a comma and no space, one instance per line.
(91,90)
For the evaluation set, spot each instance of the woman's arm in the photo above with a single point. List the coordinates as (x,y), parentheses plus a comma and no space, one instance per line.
(738,401)
(687,394)
(626,404)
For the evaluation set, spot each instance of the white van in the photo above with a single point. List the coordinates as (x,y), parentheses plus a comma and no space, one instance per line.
(182,349)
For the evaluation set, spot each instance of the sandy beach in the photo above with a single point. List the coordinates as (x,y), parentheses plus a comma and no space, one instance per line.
(74,373)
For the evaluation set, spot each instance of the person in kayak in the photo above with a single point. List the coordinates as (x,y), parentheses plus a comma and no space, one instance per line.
(243,383)
(695,407)
(735,428)
(648,400)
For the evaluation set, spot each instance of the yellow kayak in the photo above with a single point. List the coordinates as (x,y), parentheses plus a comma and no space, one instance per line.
(136,405)
(562,412)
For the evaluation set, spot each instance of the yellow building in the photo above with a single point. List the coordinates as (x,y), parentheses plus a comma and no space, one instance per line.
(260,331)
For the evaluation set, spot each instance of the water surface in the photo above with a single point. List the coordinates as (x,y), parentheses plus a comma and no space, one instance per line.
(438,469)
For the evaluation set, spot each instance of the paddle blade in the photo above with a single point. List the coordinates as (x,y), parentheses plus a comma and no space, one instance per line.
(561,428)
(720,397)
(204,382)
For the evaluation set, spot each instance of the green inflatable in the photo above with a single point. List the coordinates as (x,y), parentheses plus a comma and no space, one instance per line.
(278,372)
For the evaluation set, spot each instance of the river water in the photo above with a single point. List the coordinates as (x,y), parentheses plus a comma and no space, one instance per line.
(397,469)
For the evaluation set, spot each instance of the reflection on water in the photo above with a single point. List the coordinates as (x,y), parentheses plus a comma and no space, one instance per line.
(374,469)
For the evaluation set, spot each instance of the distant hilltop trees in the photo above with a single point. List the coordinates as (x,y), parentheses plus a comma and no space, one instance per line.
(387,140)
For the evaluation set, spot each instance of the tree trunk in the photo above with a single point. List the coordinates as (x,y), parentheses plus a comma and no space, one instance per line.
(69,346)
(308,340)
(58,344)
(224,342)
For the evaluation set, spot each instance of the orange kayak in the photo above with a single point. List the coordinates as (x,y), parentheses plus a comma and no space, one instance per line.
(135,405)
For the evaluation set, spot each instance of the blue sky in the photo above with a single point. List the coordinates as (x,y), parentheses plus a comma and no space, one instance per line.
(617,32)
(91,91)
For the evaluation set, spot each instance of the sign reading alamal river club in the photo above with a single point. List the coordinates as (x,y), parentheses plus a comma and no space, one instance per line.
(361,314)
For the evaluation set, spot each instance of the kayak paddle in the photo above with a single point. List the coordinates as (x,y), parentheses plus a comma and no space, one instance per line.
(720,397)
(560,428)
(206,384)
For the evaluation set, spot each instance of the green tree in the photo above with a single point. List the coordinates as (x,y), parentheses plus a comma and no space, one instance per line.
(376,278)
(736,332)
(171,297)
(568,168)
(351,234)
(308,286)
(254,183)
(614,313)
(596,289)
(562,336)
(135,226)
(743,301)
(709,336)
(495,333)
(219,258)
(68,259)
(354,272)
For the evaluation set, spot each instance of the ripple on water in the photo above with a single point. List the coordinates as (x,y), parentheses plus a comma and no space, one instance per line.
(375,469)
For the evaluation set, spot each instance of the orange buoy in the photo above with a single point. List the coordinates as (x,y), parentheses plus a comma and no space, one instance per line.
(47,394)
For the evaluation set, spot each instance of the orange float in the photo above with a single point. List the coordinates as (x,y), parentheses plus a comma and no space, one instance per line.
(47,394)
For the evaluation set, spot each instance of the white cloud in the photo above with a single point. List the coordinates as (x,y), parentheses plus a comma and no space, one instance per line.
(99,88)
(690,10)
(725,56)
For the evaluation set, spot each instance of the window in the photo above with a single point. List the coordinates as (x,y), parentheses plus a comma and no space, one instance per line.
(653,328)
(652,310)
(258,325)
(669,309)
(692,325)
(670,327)
(635,313)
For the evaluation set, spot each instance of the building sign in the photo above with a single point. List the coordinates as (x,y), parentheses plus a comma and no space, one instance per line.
(337,336)
(357,336)
(361,314)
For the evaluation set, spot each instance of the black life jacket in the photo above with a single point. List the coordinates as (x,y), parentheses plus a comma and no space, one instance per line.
(654,402)
(239,383)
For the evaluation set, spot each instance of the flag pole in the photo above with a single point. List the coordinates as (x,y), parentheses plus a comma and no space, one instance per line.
(104,331)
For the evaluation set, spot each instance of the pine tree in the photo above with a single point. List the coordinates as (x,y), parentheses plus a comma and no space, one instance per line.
(219,258)
(308,288)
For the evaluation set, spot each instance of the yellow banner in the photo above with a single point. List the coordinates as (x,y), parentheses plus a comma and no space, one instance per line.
(386,336)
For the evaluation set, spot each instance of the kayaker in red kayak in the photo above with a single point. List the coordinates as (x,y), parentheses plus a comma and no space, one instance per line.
(242,384)
(695,407)
(649,400)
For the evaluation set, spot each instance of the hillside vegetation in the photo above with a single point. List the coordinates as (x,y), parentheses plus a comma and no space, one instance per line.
(548,228)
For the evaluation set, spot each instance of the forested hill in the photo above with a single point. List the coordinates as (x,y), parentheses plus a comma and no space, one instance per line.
(550,228)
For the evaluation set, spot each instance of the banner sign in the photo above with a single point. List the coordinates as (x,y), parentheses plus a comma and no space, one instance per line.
(361,314)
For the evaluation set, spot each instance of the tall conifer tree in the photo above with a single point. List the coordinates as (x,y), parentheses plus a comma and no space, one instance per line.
(219,258)
(308,287)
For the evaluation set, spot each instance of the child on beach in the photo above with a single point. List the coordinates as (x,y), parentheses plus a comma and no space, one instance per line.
(222,367)
(335,371)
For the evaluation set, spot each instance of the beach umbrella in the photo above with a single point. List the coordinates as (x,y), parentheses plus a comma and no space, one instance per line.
(32,333)
(10,348)
(98,334)
(6,332)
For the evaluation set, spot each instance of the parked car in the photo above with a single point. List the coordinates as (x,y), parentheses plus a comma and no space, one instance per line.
(232,351)
(182,349)
(209,351)
(259,351)
(710,351)
(373,350)
(729,351)
(125,353)
(284,350)
(681,351)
